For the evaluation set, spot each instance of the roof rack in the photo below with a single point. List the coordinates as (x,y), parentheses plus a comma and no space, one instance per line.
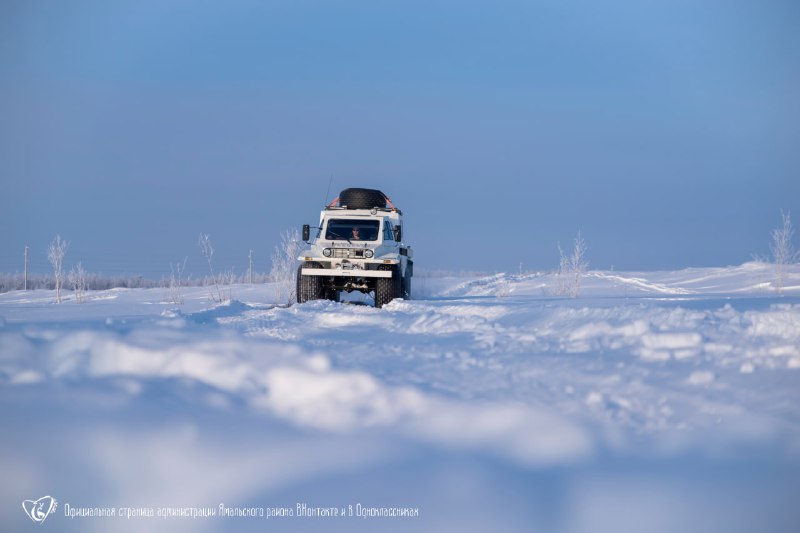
(377,209)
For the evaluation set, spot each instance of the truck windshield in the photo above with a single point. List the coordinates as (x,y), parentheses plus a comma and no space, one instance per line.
(340,229)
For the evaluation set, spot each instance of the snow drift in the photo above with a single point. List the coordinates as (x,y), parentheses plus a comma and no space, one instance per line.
(654,401)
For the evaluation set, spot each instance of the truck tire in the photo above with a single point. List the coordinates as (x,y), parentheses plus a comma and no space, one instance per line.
(387,289)
(406,286)
(362,198)
(309,287)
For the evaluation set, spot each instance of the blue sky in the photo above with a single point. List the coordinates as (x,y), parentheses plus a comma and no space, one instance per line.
(667,132)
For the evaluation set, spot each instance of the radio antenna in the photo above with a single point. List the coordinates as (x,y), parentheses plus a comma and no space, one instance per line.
(328,192)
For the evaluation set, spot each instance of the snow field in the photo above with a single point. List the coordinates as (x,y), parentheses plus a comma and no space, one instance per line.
(658,400)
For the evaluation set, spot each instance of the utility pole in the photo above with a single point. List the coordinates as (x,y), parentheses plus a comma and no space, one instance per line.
(250,257)
(26,268)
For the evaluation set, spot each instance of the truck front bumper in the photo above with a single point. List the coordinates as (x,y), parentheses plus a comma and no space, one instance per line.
(349,273)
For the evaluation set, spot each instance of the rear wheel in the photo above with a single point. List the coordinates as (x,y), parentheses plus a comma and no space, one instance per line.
(309,287)
(405,290)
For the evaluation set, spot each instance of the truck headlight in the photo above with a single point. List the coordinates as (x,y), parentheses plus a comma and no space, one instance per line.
(368,254)
(326,252)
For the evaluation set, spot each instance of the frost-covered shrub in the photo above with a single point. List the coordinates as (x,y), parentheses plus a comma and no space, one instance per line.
(783,252)
(216,294)
(176,282)
(77,281)
(571,268)
(55,254)
(284,266)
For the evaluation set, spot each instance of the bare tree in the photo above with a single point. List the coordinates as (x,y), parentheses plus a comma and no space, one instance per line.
(783,252)
(571,268)
(208,253)
(77,281)
(55,254)
(284,266)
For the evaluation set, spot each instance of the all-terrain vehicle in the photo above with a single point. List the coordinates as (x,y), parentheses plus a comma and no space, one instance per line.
(359,247)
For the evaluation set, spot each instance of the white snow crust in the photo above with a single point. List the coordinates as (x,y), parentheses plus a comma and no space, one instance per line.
(658,401)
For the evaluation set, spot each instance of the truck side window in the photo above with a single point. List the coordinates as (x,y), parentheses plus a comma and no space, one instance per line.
(388,231)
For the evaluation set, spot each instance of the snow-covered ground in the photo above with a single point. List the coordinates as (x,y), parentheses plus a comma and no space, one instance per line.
(656,401)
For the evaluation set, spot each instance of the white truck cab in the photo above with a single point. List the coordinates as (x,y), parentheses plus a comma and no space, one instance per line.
(358,247)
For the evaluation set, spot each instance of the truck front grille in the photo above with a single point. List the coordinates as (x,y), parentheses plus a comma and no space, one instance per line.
(347,253)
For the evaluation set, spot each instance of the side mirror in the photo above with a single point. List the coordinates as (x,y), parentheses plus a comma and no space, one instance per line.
(306,232)
(398,234)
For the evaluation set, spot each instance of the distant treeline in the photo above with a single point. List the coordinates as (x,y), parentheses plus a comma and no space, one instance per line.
(99,282)
(16,282)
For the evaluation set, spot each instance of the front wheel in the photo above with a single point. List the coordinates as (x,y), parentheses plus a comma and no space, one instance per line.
(309,287)
(387,289)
